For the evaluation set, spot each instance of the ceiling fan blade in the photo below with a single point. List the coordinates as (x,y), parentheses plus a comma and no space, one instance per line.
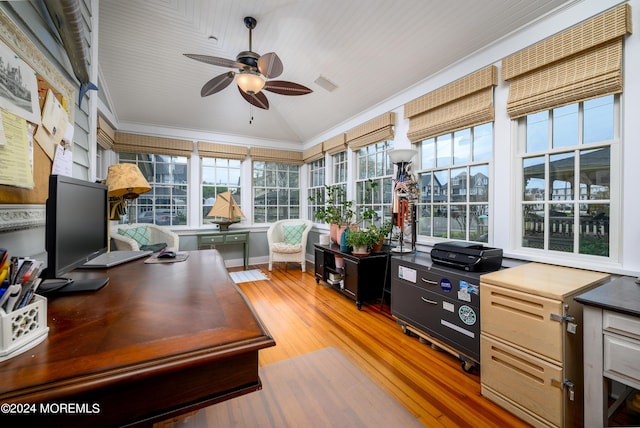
(214,60)
(270,65)
(259,100)
(283,87)
(217,84)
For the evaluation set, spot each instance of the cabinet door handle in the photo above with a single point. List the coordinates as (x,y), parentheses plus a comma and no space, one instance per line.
(433,302)
(428,281)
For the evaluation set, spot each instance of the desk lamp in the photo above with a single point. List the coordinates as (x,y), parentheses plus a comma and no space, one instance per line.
(126,183)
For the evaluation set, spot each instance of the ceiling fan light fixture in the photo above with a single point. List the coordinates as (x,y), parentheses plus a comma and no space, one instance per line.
(249,82)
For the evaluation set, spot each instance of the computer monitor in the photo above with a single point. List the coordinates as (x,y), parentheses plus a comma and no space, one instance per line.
(76,232)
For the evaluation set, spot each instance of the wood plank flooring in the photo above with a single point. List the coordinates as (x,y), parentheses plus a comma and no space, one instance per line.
(303,316)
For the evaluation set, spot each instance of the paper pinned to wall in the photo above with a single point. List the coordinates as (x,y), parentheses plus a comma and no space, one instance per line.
(63,161)
(16,164)
(54,117)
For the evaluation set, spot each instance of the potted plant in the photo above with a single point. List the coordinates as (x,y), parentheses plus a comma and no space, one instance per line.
(337,211)
(360,240)
(378,234)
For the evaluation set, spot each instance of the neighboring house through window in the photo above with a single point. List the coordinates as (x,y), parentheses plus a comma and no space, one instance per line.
(454,180)
(167,202)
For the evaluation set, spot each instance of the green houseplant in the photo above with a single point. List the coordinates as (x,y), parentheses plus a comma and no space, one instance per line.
(378,233)
(337,211)
(360,240)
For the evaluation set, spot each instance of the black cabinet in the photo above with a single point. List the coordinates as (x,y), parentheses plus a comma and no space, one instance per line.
(440,304)
(359,278)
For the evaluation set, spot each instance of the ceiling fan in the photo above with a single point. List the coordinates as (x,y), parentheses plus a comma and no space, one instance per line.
(252,67)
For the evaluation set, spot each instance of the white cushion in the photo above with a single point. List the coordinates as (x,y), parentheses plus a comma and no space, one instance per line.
(281,247)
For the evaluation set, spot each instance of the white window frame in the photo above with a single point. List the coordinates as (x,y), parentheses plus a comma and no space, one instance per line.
(615,197)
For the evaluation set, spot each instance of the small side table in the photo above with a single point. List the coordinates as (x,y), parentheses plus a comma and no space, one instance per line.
(213,239)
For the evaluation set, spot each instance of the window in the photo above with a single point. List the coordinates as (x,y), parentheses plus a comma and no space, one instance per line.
(340,167)
(454,180)
(276,192)
(566,163)
(316,186)
(219,175)
(166,204)
(374,184)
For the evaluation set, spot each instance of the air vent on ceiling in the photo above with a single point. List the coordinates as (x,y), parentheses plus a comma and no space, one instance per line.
(325,83)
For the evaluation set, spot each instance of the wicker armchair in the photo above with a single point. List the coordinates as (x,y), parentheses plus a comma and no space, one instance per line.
(288,241)
(156,235)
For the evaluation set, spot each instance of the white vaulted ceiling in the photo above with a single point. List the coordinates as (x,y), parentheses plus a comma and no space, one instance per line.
(370,49)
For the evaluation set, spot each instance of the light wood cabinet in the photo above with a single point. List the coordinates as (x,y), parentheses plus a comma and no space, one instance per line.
(531,341)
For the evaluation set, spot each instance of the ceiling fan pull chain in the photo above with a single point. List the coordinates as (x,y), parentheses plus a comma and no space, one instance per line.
(250,114)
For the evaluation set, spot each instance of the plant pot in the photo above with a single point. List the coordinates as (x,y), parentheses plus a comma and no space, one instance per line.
(376,248)
(360,250)
(333,233)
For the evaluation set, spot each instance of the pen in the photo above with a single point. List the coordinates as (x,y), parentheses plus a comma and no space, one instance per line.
(9,297)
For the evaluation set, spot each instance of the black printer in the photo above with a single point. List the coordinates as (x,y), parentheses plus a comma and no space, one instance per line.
(467,256)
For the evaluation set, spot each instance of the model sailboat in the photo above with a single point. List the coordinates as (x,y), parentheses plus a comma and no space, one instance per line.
(225,210)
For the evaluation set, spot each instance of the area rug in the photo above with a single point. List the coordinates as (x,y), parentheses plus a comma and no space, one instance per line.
(318,389)
(248,275)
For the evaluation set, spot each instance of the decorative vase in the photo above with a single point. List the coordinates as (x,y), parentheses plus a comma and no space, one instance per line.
(343,240)
(339,262)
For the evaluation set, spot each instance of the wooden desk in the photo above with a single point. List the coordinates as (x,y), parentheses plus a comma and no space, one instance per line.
(158,341)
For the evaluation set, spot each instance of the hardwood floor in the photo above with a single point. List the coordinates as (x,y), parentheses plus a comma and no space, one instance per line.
(303,316)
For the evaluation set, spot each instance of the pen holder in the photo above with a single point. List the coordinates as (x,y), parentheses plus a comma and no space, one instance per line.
(24,328)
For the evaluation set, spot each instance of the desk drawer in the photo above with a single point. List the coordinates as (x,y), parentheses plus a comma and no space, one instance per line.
(523,319)
(236,238)
(621,357)
(210,239)
(528,382)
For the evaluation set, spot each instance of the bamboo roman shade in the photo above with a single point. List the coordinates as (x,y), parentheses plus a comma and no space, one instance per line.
(463,103)
(582,62)
(371,132)
(222,151)
(134,143)
(336,144)
(262,154)
(313,153)
(105,134)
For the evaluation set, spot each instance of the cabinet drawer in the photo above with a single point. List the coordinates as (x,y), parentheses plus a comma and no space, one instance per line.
(455,323)
(236,238)
(440,281)
(625,325)
(522,378)
(210,239)
(523,319)
(621,357)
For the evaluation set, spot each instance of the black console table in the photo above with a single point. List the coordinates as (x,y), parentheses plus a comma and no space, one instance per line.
(360,278)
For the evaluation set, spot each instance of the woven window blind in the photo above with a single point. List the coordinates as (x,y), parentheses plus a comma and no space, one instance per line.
(336,144)
(371,132)
(582,62)
(465,102)
(105,135)
(222,151)
(134,143)
(262,154)
(313,153)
